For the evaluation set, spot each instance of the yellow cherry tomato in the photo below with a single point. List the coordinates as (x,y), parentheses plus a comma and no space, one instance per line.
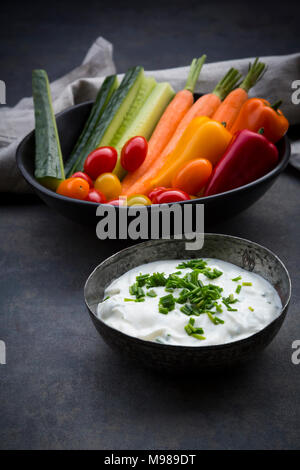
(138,200)
(109,184)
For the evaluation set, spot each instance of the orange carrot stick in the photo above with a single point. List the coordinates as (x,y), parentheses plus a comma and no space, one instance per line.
(229,109)
(206,105)
(167,123)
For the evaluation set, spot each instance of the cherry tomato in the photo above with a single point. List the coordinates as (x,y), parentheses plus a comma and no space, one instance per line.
(115,202)
(134,153)
(171,195)
(155,192)
(138,200)
(95,196)
(81,174)
(193,176)
(121,201)
(101,160)
(77,188)
(108,184)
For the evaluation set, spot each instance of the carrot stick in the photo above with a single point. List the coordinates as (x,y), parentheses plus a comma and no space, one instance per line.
(229,109)
(168,123)
(206,105)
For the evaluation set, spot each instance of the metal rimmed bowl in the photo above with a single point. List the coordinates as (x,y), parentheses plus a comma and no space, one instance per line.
(70,124)
(241,252)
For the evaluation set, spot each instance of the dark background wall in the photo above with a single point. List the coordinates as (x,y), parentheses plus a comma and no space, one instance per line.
(156,34)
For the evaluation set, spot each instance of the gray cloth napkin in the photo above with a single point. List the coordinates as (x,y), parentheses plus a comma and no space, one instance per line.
(82,83)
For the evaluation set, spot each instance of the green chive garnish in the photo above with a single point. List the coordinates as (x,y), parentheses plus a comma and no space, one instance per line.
(151,293)
(238,289)
(236,279)
(193,264)
(163,310)
(167,302)
(214,319)
(193,331)
(141,279)
(156,280)
(247,283)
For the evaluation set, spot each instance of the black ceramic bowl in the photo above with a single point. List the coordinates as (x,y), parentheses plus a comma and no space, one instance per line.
(70,123)
(243,253)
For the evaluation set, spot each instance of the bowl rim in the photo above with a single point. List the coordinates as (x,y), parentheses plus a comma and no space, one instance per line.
(281,165)
(179,347)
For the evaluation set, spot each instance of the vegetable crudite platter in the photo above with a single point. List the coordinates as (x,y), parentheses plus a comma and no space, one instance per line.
(144,142)
(210,308)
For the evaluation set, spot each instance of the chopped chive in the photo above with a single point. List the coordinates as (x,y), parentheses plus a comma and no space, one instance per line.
(194,331)
(236,279)
(167,302)
(141,299)
(156,280)
(187,309)
(169,289)
(188,329)
(136,291)
(238,289)
(218,320)
(211,274)
(247,283)
(214,319)
(229,300)
(252,309)
(218,307)
(151,293)
(198,336)
(141,279)
(193,264)
(163,310)
(107,297)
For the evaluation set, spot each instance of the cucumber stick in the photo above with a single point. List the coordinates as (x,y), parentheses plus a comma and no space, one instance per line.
(104,94)
(113,114)
(146,119)
(49,167)
(144,91)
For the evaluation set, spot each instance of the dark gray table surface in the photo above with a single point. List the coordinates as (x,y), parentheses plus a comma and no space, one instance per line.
(62,387)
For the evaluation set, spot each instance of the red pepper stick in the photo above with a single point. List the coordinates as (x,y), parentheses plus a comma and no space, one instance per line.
(249,156)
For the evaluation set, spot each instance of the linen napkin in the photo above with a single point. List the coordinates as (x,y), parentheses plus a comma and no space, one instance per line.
(83,82)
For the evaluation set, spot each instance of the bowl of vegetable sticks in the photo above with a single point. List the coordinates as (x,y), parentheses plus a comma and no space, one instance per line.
(221,149)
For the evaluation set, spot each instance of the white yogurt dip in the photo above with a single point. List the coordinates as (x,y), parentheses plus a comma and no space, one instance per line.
(254,305)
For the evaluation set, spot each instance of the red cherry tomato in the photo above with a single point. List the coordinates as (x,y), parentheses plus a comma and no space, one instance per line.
(155,192)
(114,202)
(172,195)
(134,153)
(81,174)
(95,196)
(101,160)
